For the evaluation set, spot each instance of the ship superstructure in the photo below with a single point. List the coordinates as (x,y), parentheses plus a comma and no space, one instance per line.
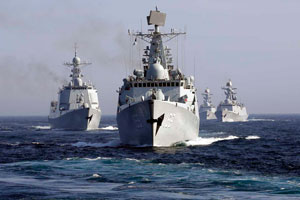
(230,110)
(77,107)
(158,105)
(207,109)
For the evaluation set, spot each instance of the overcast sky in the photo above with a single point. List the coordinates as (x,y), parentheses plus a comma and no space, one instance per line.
(256,43)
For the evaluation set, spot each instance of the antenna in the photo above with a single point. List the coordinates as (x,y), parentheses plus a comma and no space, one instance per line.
(177,52)
(183,52)
(157,19)
(185,30)
(76,62)
(195,70)
(75,48)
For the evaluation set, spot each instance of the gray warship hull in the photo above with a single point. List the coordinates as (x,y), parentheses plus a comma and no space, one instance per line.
(156,123)
(79,119)
(207,116)
(229,116)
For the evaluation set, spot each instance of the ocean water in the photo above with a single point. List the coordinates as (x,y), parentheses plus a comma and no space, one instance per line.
(257,159)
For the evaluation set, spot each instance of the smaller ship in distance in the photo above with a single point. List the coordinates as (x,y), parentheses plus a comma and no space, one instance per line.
(230,110)
(207,109)
(77,107)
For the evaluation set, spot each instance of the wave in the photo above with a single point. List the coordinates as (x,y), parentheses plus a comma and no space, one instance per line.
(90,159)
(208,141)
(42,127)
(37,143)
(132,159)
(96,175)
(5,129)
(211,133)
(104,158)
(10,144)
(261,120)
(252,137)
(233,121)
(110,128)
(113,143)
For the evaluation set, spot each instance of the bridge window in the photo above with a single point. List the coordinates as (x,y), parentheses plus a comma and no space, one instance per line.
(152,84)
(168,84)
(160,84)
(181,84)
(144,84)
(164,84)
(177,84)
(135,85)
(140,84)
(148,84)
(172,84)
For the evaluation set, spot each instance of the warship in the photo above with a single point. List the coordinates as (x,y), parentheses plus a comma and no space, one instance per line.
(207,109)
(231,110)
(157,105)
(77,107)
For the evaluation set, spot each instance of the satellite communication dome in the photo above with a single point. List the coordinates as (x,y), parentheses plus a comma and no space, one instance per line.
(77,82)
(156,71)
(76,60)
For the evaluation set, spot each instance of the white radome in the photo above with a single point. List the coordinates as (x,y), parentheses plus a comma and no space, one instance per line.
(76,60)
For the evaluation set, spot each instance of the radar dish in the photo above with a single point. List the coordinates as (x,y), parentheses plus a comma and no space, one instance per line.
(156,18)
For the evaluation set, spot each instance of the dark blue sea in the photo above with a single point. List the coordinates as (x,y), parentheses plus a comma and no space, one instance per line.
(258,159)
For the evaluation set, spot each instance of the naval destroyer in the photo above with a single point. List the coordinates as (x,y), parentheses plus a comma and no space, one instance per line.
(158,105)
(77,107)
(231,110)
(207,109)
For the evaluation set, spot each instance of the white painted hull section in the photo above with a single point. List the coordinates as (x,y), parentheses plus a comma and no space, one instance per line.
(239,114)
(207,113)
(78,119)
(156,123)
(207,116)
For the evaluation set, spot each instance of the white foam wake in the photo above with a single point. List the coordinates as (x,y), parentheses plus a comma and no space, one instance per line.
(252,137)
(113,143)
(42,127)
(109,128)
(207,141)
(263,120)
(233,121)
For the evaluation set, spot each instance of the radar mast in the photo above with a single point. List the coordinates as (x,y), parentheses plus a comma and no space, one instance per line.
(156,39)
(76,71)
(230,92)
